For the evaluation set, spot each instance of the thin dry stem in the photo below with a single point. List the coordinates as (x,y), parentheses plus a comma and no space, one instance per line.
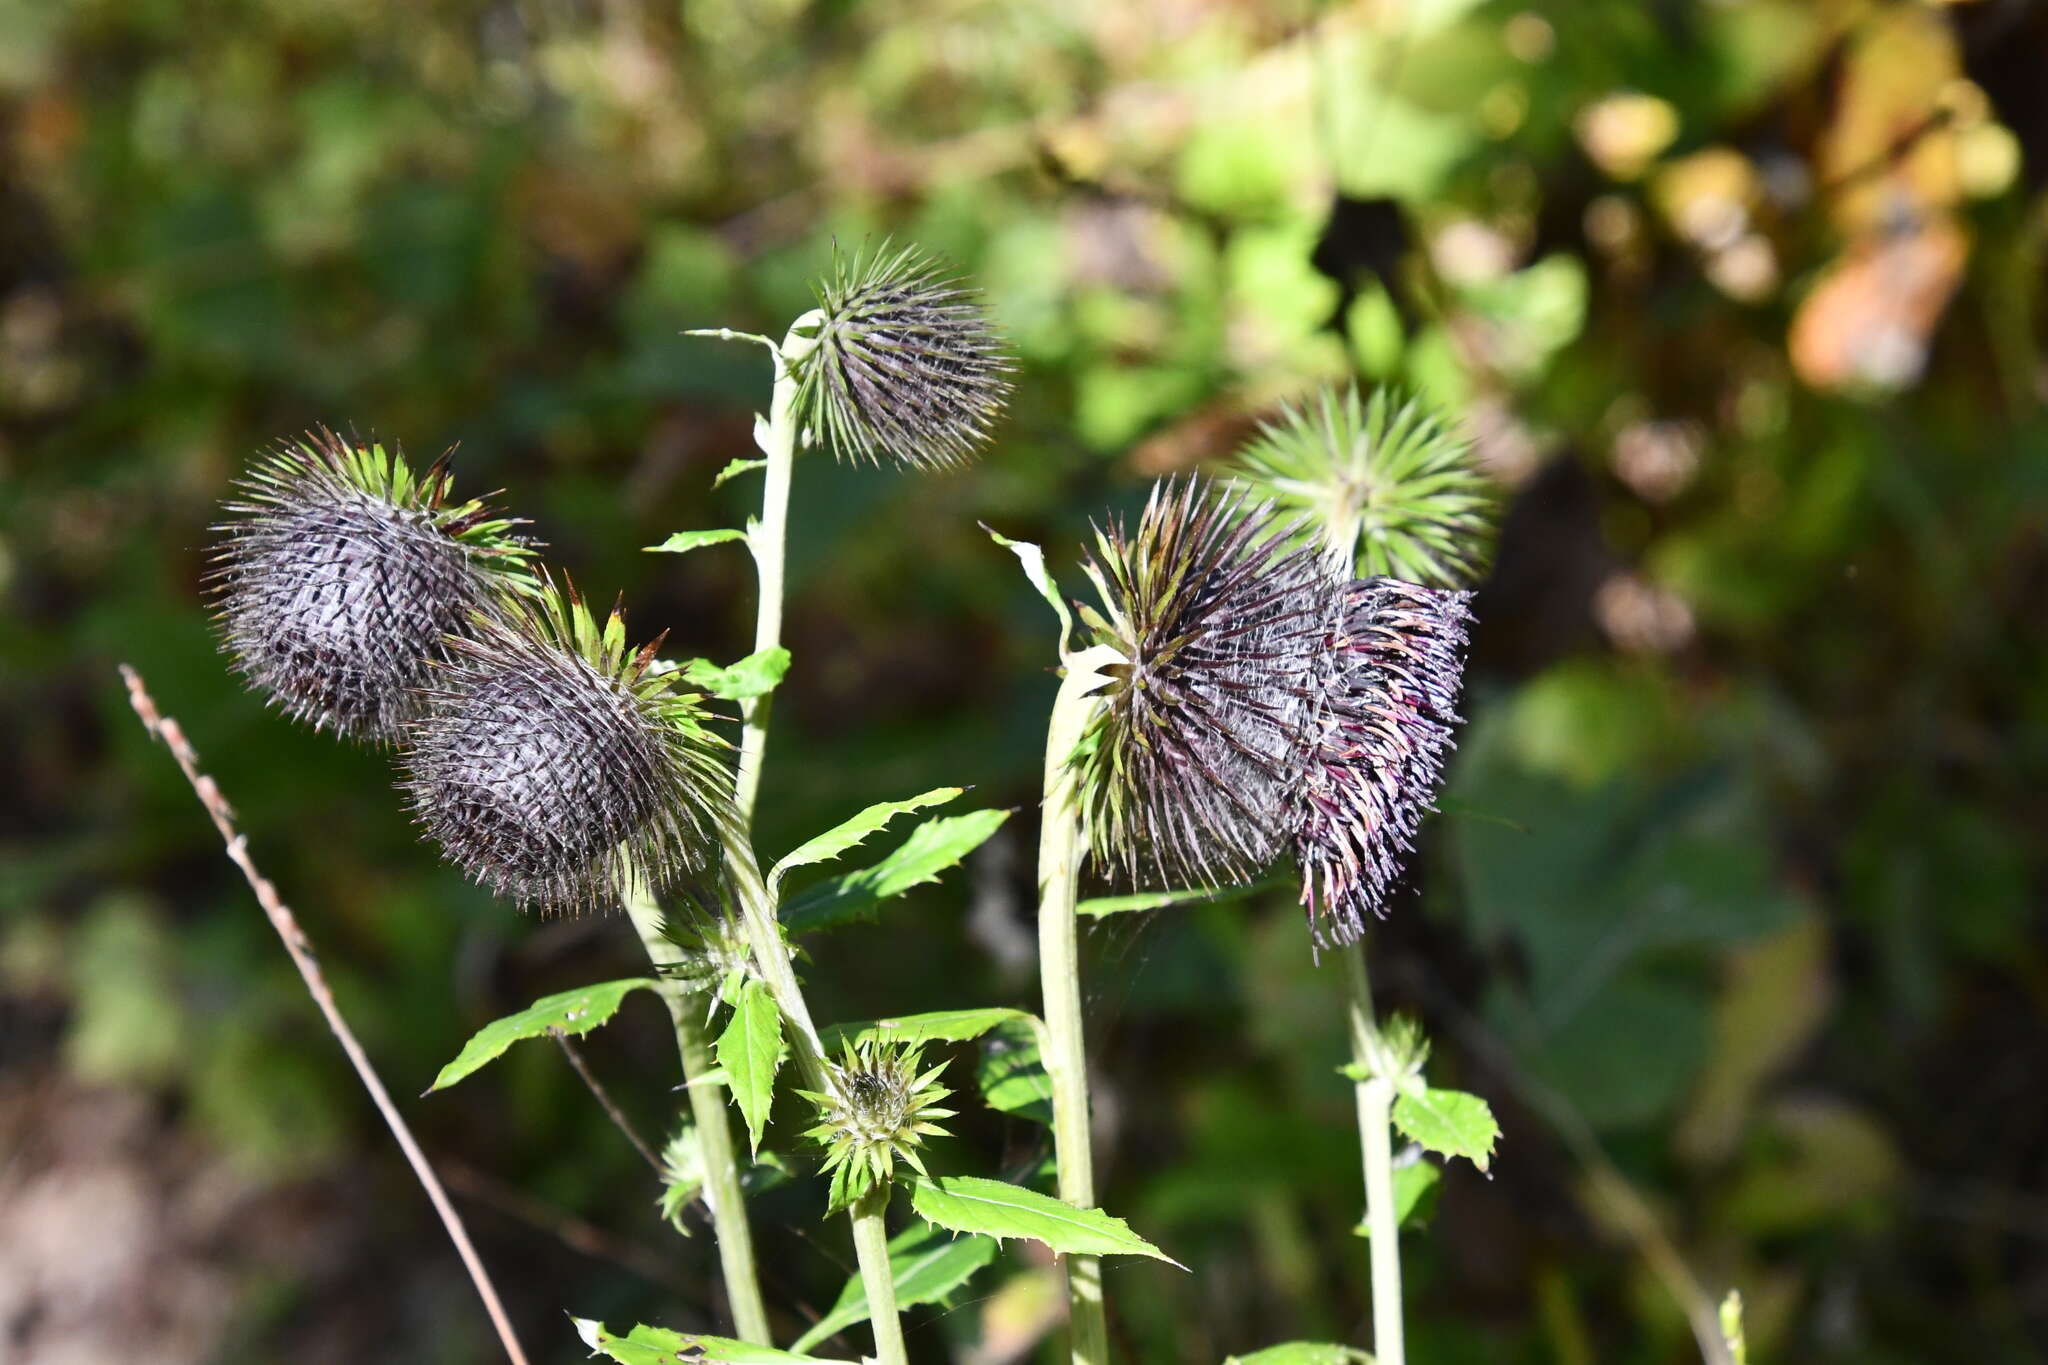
(604,1100)
(296,943)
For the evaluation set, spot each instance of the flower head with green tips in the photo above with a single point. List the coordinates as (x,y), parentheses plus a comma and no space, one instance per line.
(552,762)
(879,1112)
(898,362)
(1386,484)
(341,574)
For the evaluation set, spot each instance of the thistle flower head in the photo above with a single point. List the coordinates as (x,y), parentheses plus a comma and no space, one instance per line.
(903,363)
(1388,486)
(551,762)
(1392,668)
(880,1111)
(1187,772)
(340,574)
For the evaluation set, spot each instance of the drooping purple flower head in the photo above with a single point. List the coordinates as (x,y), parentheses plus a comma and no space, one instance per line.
(1393,666)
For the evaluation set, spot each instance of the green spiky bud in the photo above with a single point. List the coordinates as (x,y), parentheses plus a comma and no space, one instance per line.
(899,362)
(551,762)
(880,1111)
(1386,484)
(341,574)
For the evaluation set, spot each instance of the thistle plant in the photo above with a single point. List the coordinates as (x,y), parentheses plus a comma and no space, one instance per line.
(879,1111)
(554,765)
(341,574)
(1384,480)
(1390,490)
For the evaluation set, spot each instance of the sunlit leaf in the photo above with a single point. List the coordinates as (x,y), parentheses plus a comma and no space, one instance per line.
(851,833)
(927,1264)
(682,542)
(754,676)
(750,1050)
(1449,1122)
(659,1346)
(968,1203)
(931,848)
(572,1012)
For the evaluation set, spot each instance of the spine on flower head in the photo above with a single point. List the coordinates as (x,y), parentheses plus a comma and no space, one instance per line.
(551,763)
(903,364)
(340,574)
(1188,773)
(1392,671)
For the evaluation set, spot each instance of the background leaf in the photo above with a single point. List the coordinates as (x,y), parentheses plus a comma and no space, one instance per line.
(1011,1072)
(660,1346)
(1304,1353)
(573,1012)
(682,542)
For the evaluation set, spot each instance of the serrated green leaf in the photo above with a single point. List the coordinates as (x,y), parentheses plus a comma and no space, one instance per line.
(735,468)
(1415,1187)
(931,848)
(1012,1073)
(1033,560)
(756,675)
(851,833)
(1304,1353)
(659,1346)
(573,1012)
(967,1203)
(927,1263)
(950,1026)
(1159,900)
(1449,1122)
(682,542)
(750,1050)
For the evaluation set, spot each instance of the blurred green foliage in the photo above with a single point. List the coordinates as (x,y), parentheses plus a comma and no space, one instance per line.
(1735,903)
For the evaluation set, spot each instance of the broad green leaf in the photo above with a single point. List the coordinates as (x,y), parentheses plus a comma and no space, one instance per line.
(952,1026)
(682,542)
(659,1346)
(1304,1353)
(1160,900)
(750,1050)
(967,1203)
(1012,1074)
(754,676)
(931,848)
(735,468)
(574,1012)
(1033,560)
(1450,1122)
(852,833)
(927,1263)
(1415,1187)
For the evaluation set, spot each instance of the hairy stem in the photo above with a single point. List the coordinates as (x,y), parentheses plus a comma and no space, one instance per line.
(686,1012)
(871,1246)
(300,949)
(768,539)
(1375,1139)
(1059,971)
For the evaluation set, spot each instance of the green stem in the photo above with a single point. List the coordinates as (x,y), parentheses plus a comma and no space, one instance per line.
(1375,1139)
(1059,971)
(768,539)
(871,1246)
(714,1133)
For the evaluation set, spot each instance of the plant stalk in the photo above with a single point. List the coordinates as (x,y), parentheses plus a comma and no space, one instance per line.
(768,539)
(686,1010)
(871,1247)
(1375,1139)
(1059,970)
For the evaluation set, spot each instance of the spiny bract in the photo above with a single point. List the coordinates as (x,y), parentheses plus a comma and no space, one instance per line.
(1187,773)
(1393,666)
(880,1111)
(551,763)
(1387,485)
(903,364)
(341,573)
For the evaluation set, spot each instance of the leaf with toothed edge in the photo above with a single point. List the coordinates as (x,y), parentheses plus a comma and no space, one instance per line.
(851,833)
(573,1012)
(950,1026)
(754,676)
(659,1346)
(927,1264)
(932,847)
(1448,1121)
(682,542)
(998,1209)
(750,1050)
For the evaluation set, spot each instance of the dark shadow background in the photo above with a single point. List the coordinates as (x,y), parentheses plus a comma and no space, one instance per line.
(1735,908)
